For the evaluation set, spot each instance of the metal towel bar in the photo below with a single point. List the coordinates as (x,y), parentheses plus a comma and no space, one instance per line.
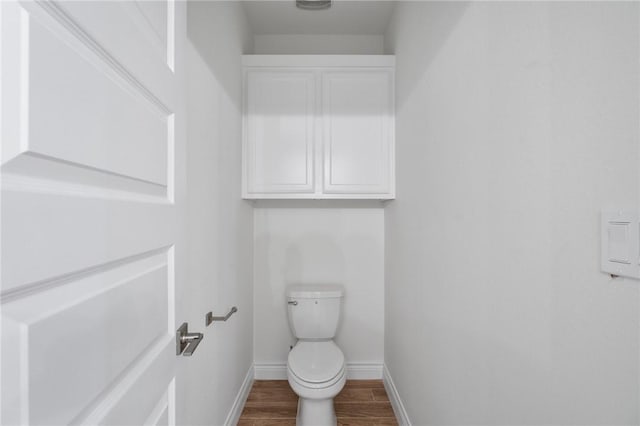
(209,318)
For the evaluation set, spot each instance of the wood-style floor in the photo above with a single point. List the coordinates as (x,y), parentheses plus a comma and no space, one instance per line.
(361,403)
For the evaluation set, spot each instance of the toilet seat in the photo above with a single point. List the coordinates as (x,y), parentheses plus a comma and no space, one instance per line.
(316,364)
(316,386)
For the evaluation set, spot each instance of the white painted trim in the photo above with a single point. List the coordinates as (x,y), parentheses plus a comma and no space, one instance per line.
(364,371)
(394,397)
(315,196)
(355,371)
(311,61)
(238,404)
(275,371)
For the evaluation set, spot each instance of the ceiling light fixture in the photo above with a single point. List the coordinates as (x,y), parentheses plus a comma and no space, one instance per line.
(313,4)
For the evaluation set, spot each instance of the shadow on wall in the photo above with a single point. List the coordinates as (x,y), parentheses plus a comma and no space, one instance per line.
(323,260)
(313,259)
(210,27)
(319,204)
(318,259)
(440,18)
(288,255)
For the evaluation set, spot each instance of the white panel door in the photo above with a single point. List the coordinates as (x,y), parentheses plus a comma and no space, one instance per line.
(279,132)
(357,111)
(92,201)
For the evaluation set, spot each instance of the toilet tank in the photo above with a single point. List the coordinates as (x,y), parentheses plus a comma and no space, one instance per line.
(314,310)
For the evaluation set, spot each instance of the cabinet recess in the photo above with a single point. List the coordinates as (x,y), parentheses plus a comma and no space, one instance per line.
(318,127)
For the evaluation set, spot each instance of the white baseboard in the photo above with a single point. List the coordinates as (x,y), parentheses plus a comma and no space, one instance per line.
(394,397)
(241,398)
(355,371)
(270,371)
(364,371)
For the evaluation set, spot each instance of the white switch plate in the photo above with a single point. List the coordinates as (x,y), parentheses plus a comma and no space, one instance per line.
(620,249)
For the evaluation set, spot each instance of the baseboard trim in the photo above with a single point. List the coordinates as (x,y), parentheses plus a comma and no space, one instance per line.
(270,371)
(364,371)
(355,371)
(241,398)
(394,397)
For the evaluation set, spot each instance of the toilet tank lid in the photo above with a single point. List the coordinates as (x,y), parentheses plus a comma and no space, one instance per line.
(315,291)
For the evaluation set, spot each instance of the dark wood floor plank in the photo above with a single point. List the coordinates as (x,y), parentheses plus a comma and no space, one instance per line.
(342,421)
(272,395)
(270,384)
(270,411)
(267,422)
(380,395)
(275,422)
(370,409)
(360,403)
(364,384)
(353,395)
(283,404)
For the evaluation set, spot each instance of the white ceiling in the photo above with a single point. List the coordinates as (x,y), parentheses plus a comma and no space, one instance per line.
(344,17)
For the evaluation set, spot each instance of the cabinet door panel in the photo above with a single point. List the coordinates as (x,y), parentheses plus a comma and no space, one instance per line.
(279,132)
(358,132)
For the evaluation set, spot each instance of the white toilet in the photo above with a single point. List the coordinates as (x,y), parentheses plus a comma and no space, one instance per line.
(316,366)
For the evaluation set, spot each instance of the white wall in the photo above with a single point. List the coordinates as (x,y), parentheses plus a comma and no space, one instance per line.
(516,123)
(319,242)
(319,245)
(310,44)
(220,223)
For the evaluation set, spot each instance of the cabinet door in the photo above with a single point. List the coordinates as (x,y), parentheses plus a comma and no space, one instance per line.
(279,132)
(358,132)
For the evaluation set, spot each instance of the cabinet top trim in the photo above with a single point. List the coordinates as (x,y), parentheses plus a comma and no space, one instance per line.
(318,60)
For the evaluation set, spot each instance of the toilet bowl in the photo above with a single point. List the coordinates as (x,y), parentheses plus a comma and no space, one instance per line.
(315,366)
(316,373)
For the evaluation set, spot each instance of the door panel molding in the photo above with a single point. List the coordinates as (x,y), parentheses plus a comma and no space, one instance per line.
(35,173)
(138,397)
(357,115)
(39,247)
(89,220)
(145,124)
(280,157)
(105,340)
(72,17)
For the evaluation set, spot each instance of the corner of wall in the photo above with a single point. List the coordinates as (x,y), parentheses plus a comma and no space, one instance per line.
(388,38)
(238,404)
(396,403)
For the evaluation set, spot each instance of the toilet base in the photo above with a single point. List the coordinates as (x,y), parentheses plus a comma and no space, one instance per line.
(316,412)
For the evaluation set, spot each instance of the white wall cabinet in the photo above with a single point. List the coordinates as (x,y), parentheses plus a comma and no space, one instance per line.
(318,127)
